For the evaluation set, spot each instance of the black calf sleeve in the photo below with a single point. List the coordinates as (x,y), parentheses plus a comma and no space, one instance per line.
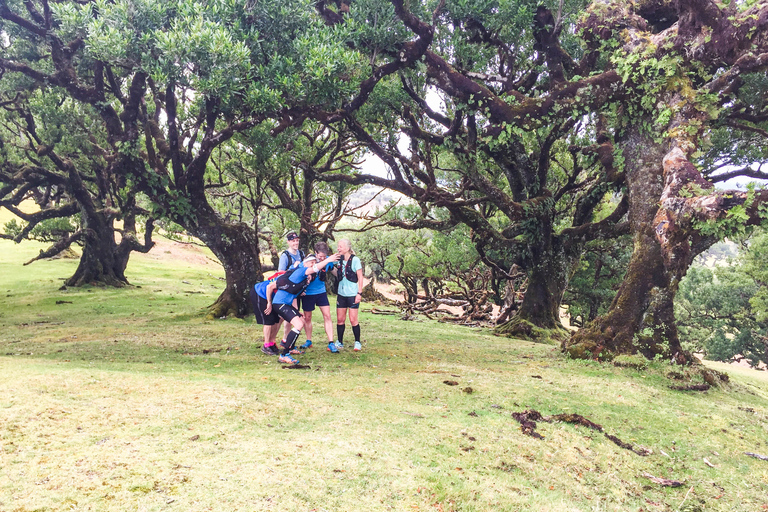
(290,341)
(356,331)
(340,332)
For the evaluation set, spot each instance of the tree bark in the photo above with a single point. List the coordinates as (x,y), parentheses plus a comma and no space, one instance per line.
(539,313)
(100,264)
(641,317)
(104,260)
(237,248)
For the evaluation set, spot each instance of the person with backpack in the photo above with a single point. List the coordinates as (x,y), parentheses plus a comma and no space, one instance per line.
(349,273)
(289,286)
(316,296)
(290,258)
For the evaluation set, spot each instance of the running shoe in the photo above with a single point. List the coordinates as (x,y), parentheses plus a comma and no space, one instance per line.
(358,346)
(332,348)
(286,359)
(339,345)
(307,344)
(294,351)
(270,350)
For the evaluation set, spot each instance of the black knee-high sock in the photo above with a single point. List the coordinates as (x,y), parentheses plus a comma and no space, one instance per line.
(290,341)
(356,331)
(340,332)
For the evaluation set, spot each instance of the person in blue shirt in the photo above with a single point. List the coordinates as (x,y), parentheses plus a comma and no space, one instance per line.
(270,321)
(349,272)
(290,258)
(316,296)
(288,288)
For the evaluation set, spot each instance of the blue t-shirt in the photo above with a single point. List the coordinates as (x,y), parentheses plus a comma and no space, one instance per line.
(282,296)
(261,289)
(288,260)
(316,287)
(346,287)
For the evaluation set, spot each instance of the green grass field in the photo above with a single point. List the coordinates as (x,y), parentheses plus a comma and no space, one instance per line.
(128,399)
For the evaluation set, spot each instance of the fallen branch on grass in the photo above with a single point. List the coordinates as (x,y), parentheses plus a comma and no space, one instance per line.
(529,418)
(383,312)
(692,387)
(755,455)
(662,481)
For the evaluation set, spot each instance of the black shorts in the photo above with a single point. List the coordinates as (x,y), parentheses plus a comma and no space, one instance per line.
(259,304)
(286,311)
(308,302)
(343,302)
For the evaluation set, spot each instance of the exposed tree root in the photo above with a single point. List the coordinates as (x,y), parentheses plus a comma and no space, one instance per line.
(528,419)
(222,309)
(523,329)
(376,311)
(692,387)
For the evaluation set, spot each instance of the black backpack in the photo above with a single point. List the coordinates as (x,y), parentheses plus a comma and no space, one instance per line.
(291,261)
(346,271)
(320,274)
(284,283)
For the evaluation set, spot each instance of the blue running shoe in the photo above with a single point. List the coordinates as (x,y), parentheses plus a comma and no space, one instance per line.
(332,348)
(339,345)
(286,359)
(307,344)
(358,346)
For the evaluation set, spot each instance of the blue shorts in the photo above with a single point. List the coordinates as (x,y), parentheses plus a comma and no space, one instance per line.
(308,302)
(343,302)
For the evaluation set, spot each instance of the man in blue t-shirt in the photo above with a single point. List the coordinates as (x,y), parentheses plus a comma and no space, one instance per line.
(295,284)
(292,256)
(316,296)
(289,259)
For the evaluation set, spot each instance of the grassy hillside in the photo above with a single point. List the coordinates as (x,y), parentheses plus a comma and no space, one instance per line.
(129,400)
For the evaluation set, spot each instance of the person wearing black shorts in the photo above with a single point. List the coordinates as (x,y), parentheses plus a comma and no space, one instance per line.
(270,321)
(316,296)
(290,258)
(349,273)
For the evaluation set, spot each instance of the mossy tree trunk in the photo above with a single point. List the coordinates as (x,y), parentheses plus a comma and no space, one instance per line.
(236,245)
(104,260)
(539,313)
(641,317)
(644,298)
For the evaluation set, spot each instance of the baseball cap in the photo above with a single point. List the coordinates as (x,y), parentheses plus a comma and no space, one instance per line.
(291,235)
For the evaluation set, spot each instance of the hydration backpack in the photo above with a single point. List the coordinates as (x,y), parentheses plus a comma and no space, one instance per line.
(284,283)
(291,261)
(345,270)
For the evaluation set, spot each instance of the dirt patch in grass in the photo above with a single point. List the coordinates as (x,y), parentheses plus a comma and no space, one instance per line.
(172,251)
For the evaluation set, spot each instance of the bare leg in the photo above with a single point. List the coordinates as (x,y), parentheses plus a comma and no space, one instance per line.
(274,329)
(327,322)
(308,324)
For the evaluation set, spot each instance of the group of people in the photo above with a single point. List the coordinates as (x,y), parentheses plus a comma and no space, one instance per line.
(300,284)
